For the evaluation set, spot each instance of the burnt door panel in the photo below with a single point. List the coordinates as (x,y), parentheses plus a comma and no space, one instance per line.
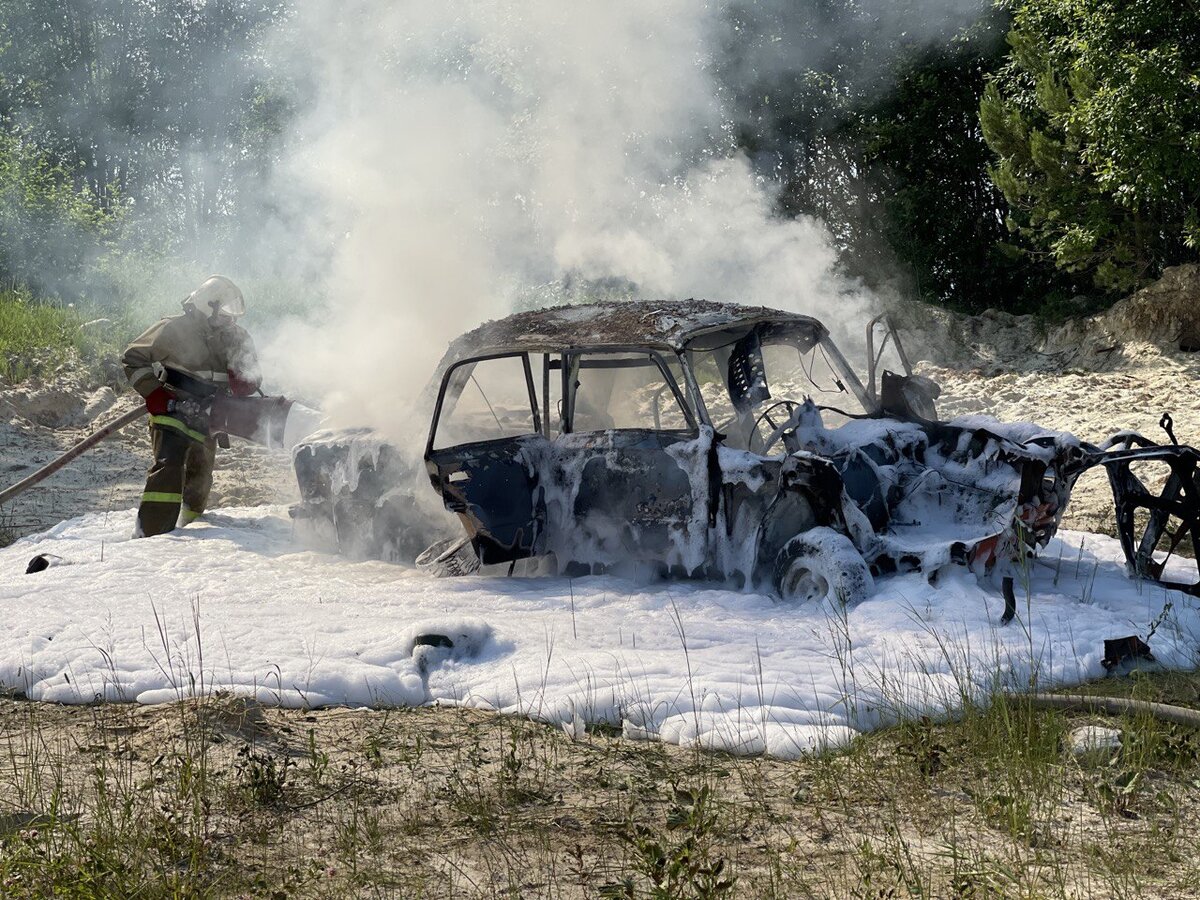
(483,450)
(632,476)
(493,488)
(628,497)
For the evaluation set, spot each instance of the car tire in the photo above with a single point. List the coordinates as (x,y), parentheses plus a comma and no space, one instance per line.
(822,564)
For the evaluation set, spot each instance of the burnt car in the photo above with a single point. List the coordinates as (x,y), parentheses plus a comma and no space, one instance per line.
(719,441)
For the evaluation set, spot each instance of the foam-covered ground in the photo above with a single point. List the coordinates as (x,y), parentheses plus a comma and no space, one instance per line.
(236,604)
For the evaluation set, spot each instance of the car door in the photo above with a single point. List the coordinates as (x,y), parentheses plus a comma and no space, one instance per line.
(484,454)
(630,474)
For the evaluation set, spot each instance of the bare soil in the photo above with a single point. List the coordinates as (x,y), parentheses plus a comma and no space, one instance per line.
(41,419)
(1133,395)
(453,802)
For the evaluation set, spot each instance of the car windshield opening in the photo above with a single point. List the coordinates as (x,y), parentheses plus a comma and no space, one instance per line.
(627,391)
(750,381)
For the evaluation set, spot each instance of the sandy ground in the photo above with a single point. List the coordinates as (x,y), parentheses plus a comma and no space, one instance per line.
(41,419)
(1131,392)
(458,803)
(453,802)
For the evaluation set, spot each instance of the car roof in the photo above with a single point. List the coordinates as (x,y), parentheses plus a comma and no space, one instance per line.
(660,324)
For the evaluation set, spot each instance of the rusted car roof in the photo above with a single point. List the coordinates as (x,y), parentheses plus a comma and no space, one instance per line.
(662,325)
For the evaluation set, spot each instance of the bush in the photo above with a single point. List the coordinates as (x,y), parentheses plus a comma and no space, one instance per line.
(1096,123)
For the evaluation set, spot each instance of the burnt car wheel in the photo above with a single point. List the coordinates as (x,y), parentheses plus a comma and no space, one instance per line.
(822,564)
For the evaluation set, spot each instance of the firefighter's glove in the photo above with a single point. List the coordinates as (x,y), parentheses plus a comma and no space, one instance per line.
(239,385)
(193,413)
(158,401)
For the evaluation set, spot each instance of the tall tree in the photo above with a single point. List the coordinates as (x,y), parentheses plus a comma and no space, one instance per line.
(1095,121)
(876,131)
(938,210)
(164,105)
(50,231)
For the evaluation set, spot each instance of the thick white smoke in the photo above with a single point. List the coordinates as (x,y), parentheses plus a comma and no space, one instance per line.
(479,153)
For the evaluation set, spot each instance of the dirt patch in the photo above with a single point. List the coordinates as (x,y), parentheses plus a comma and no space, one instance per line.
(1089,404)
(453,802)
(1092,377)
(40,419)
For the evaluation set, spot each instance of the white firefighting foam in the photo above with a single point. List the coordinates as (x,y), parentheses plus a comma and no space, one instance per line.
(234,603)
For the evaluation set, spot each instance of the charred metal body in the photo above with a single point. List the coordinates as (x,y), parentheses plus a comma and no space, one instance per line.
(1153,523)
(353,495)
(683,439)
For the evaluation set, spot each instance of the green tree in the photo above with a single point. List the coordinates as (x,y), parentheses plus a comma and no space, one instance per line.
(937,211)
(874,128)
(1095,121)
(50,229)
(167,107)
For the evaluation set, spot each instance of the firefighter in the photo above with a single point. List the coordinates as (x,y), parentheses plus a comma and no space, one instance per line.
(179,365)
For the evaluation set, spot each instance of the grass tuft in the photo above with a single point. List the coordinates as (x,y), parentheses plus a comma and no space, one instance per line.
(217,796)
(36,336)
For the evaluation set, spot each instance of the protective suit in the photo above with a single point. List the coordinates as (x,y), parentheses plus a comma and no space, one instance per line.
(178,365)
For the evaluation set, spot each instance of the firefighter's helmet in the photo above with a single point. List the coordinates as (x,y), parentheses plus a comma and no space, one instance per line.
(218,296)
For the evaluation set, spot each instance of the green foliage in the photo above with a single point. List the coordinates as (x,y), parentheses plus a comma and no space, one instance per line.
(937,211)
(167,113)
(680,863)
(876,132)
(35,336)
(1095,121)
(263,776)
(50,230)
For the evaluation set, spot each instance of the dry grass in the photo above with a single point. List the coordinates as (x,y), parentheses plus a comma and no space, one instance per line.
(218,797)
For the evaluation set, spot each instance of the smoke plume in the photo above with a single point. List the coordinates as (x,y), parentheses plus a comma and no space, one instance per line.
(478,158)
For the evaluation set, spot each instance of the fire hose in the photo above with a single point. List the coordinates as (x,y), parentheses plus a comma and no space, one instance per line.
(270,421)
(1113,706)
(78,450)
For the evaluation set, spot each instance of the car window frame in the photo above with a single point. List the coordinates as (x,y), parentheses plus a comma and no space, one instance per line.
(523,355)
(569,365)
(813,333)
